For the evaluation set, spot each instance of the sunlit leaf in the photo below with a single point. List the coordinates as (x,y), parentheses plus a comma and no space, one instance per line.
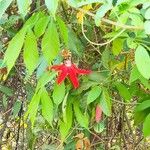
(105,102)
(146,126)
(3,6)
(47,106)
(142,60)
(52,6)
(93,94)
(58,93)
(81,118)
(14,49)
(41,25)
(50,42)
(30,53)
(24,6)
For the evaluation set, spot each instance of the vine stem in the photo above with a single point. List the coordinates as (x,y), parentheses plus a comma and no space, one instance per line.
(99,44)
(124,26)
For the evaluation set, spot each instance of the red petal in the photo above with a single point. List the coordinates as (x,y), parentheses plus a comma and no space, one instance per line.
(73,77)
(98,114)
(57,67)
(62,75)
(81,71)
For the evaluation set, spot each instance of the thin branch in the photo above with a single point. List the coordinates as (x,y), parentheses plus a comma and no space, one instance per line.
(124,26)
(100,44)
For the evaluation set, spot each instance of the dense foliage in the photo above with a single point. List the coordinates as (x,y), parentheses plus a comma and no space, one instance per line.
(111,107)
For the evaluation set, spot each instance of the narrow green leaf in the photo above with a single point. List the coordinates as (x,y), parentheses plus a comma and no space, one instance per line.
(105,102)
(45,78)
(93,94)
(146,126)
(99,127)
(30,53)
(41,25)
(142,61)
(117,46)
(47,106)
(123,91)
(106,58)
(101,13)
(16,108)
(63,30)
(33,107)
(3,6)
(50,42)
(58,93)
(82,119)
(134,75)
(66,125)
(143,105)
(139,116)
(6,90)
(52,6)
(147,26)
(24,7)
(14,49)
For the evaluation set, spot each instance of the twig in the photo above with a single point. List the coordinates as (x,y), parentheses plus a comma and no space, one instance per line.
(124,26)
(100,44)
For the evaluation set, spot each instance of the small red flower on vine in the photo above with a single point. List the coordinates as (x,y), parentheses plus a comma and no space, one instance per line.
(68,69)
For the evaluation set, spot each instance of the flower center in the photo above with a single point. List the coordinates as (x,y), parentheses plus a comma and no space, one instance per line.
(67,63)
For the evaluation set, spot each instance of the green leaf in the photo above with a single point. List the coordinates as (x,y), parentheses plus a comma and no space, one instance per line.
(123,91)
(142,61)
(45,78)
(3,6)
(66,125)
(101,13)
(147,26)
(139,116)
(93,94)
(143,105)
(41,25)
(50,42)
(77,3)
(58,93)
(52,6)
(33,107)
(99,127)
(134,75)
(146,126)
(82,119)
(117,46)
(63,30)
(30,53)
(6,90)
(14,49)
(47,106)
(106,58)
(105,102)
(24,7)
(16,108)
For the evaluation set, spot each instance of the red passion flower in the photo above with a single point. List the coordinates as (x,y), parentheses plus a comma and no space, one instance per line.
(98,114)
(68,69)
